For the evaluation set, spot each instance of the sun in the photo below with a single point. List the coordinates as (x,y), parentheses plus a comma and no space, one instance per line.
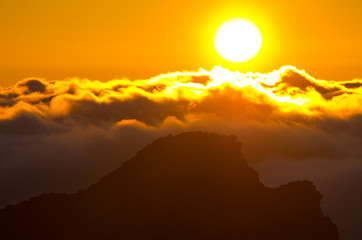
(237,40)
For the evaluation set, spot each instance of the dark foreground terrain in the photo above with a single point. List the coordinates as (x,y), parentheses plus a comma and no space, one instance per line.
(190,186)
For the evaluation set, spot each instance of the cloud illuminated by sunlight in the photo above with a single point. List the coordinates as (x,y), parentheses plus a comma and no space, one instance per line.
(287,91)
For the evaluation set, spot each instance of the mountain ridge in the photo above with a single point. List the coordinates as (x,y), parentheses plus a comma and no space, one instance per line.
(194,185)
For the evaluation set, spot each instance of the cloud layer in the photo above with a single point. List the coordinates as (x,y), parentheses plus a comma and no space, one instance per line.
(283,95)
(64,135)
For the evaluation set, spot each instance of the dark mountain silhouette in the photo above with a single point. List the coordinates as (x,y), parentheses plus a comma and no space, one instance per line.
(191,186)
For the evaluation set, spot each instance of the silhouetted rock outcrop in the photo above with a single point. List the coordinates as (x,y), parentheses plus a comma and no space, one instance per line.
(190,186)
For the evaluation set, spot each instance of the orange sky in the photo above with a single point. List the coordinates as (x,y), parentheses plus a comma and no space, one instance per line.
(139,39)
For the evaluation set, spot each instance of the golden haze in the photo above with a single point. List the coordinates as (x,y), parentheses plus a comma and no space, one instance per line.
(140,39)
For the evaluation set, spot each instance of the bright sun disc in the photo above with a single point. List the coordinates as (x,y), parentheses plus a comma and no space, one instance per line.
(237,40)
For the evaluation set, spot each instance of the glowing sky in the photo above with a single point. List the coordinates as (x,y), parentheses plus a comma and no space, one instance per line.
(296,106)
(140,39)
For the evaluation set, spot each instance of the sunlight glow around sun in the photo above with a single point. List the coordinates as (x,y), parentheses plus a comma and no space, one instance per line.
(237,40)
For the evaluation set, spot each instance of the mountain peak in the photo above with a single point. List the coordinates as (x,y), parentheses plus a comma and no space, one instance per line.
(191,186)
